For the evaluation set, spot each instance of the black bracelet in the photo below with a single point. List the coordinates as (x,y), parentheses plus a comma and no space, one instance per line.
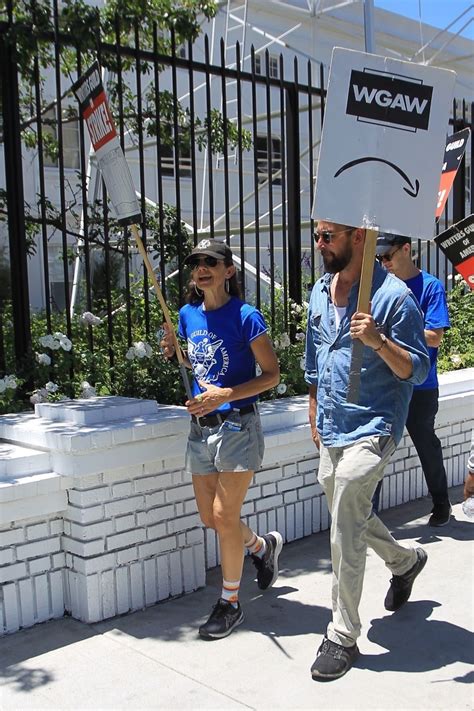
(384,342)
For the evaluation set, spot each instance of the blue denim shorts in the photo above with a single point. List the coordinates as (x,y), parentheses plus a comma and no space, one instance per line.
(235,445)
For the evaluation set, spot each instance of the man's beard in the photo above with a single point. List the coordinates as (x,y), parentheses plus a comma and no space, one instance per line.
(334,264)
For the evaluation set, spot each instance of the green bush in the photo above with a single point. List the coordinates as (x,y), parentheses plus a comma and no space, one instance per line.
(99,359)
(457,346)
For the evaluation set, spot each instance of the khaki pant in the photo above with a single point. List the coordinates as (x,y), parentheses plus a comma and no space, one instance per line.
(349,476)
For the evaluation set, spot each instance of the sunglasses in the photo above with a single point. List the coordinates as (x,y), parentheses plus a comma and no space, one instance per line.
(195,262)
(389,256)
(328,236)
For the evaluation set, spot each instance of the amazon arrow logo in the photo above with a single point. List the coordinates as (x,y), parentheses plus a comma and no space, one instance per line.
(412,191)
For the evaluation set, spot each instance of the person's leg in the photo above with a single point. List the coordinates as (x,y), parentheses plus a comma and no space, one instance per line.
(205,492)
(421,428)
(230,494)
(357,472)
(348,477)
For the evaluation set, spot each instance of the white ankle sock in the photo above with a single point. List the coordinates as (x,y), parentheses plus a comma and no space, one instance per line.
(256,546)
(230,591)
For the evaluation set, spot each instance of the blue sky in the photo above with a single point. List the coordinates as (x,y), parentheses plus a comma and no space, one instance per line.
(439,13)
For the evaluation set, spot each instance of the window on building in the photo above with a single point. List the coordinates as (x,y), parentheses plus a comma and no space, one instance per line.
(167,152)
(273,65)
(263,155)
(70,132)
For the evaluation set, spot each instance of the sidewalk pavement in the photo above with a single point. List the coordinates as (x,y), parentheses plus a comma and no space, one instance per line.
(418,658)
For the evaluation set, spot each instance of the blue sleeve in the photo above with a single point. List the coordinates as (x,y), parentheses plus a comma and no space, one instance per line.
(253,324)
(407,330)
(436,307)
(313,339)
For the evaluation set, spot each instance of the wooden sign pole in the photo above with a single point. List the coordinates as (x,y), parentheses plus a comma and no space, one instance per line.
(166,313)
(363,303)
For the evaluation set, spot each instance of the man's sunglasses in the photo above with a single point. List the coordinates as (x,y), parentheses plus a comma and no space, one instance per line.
(389,256)
(328,236)
(195,262)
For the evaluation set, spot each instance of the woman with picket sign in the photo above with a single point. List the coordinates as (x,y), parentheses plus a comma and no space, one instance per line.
(226,338)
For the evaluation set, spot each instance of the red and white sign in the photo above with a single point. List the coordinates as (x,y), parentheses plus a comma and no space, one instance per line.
(453,153)
(111,161)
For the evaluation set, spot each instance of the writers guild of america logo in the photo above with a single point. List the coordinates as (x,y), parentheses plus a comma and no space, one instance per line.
(204,244)
(389,100)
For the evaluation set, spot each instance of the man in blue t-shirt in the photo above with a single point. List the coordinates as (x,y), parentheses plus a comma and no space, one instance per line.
(394,251)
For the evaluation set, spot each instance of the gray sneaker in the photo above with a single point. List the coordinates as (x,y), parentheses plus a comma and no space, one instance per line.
(267,567)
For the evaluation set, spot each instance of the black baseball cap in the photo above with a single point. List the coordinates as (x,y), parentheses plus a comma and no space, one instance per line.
(385,241)
(211,248)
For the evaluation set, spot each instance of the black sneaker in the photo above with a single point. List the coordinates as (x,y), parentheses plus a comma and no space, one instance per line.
(267,567)
(222,620)
(333,660)
(401,585)
(440,514)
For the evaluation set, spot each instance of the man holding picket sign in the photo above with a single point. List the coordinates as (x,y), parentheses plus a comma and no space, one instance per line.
(380,158)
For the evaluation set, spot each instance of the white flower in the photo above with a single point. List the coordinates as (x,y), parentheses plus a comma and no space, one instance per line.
(130,354)
(88,317)
(59,335)
(43,359)
(285,341)
(276,343)
(3,385)
(47,341)
(303,362)
(51,387)
(65,343)
(456,359)
(258,370)
(40,395)
(55,345)
(458,278)
(87,390)
(10,382)
(281,388)
(300,336)
(296,308)
(143,349)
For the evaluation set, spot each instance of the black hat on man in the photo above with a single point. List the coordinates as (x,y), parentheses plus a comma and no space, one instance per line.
(385,241)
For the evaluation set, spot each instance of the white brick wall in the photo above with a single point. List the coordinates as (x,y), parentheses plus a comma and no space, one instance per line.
(114,527)
(31,573)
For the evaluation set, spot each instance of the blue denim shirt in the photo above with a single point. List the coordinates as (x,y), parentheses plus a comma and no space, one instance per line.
(384,398)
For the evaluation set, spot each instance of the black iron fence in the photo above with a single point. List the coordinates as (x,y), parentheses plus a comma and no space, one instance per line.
(215,151)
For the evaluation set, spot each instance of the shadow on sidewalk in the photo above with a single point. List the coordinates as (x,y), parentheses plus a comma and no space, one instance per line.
(415,643)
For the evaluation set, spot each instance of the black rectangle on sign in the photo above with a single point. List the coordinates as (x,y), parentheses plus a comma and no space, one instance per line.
(387,99)
(455,147)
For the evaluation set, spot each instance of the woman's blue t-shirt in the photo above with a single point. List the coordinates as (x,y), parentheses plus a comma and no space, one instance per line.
(219,344)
